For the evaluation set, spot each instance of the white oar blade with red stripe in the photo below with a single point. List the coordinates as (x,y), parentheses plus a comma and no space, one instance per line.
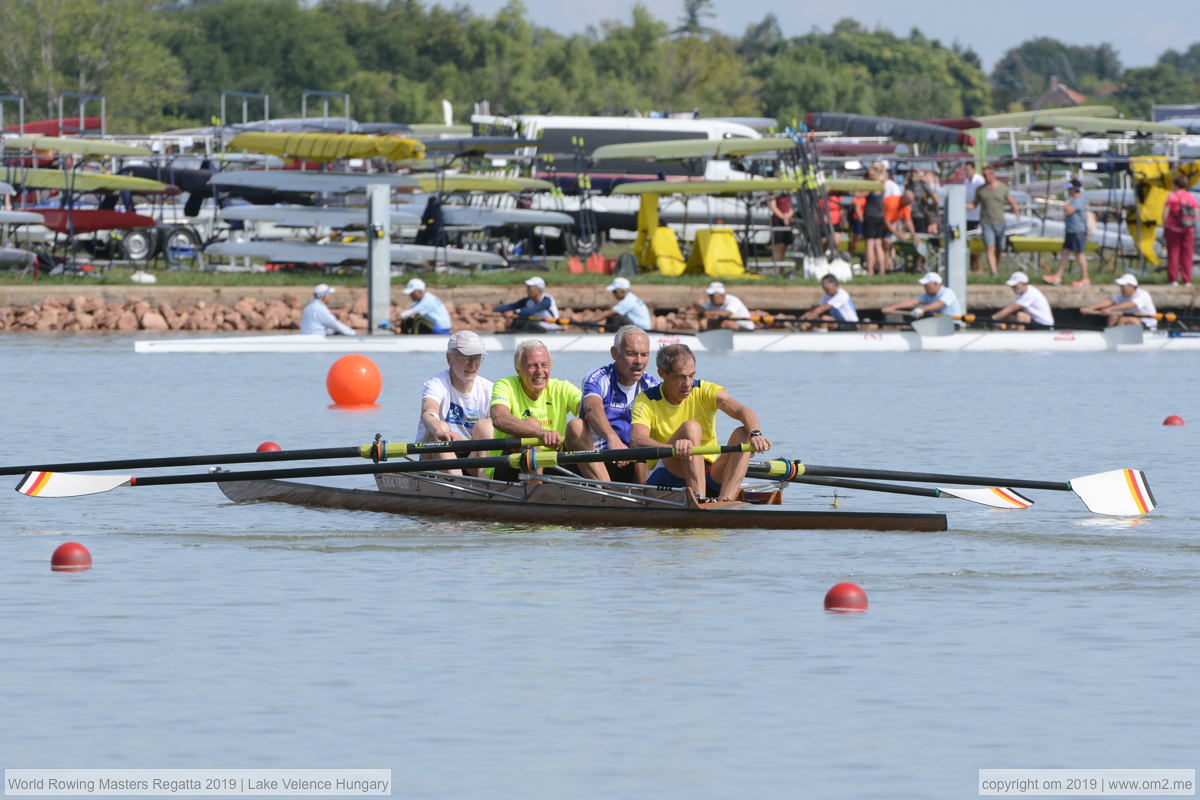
(995,497)
(68,484)
(1119,493)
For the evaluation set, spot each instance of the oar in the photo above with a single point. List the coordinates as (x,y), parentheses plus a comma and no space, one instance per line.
(994,497)
(71,484)
(582,324)
(378,451)
(1118,493)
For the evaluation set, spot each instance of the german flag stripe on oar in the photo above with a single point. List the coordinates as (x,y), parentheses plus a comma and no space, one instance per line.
(1121,493)
(996,497)
(34,483)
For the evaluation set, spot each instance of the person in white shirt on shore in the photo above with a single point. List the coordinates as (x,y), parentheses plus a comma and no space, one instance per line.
(455,401)
(1031,306)
(835,307)
(731,311)
(1130,306)
(318,319)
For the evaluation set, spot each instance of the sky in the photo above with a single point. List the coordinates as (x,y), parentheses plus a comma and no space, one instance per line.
(990,29)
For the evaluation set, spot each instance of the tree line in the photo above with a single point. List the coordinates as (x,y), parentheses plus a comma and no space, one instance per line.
(163,64)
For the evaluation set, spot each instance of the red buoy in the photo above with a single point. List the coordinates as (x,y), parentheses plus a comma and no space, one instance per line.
(354,380)
(267,447)
(846,597)
(71,557)
(1174,420)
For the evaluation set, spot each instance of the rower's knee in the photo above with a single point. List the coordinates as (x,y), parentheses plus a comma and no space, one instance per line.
(576,435)
(483,430)
(689,430)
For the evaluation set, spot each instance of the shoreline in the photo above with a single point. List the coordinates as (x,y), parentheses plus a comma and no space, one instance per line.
(83,309)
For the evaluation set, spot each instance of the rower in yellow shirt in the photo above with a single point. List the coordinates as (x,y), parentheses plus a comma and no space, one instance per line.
(531,404)
(682,412)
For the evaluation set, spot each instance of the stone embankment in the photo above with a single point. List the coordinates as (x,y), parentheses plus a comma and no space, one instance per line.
(256,308)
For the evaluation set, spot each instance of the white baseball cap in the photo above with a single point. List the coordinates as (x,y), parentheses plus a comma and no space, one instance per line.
(415,285)
(322,289)
(1128,279)
(716,287)
(1017,277)
(618,283)
(930,277)
(468,343)
(536,281)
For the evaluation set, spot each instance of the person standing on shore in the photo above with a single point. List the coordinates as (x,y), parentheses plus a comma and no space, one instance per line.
(972,181)
(1179,231)
(1074,238)
(317,319)
(991,199)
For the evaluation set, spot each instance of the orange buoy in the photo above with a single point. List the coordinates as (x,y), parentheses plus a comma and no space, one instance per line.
(267,447)
(354,380)
(71,557)
(845,597)
(1174,419)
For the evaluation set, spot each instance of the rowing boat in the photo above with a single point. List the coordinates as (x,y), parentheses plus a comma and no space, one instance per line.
(1130,340)
(562,500)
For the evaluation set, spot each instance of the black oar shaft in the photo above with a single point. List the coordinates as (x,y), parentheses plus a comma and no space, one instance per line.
(866,486)
(463,446)
(817,470)
(550,457)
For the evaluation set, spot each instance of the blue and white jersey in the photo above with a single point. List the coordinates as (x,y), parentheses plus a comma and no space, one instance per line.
(618,402)
(430,307)
(634,310)
(953,307)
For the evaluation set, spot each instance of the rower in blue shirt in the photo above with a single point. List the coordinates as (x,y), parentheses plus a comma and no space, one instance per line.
(607,406)
(936,299)
(533,312)
(629,310)
(427,314)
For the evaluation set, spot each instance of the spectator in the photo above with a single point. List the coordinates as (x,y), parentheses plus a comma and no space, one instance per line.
(990,199)
(1075,238)
(1179,230)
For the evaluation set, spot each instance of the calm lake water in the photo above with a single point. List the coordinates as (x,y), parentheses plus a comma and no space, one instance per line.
(479,661)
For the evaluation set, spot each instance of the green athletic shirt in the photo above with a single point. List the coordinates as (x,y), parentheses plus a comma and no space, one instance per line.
(559,399)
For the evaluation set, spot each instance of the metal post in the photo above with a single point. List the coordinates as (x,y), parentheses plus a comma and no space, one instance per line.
(83,97)
(956,241)
(245,97)
(379,258)
(20,101)
(345,96)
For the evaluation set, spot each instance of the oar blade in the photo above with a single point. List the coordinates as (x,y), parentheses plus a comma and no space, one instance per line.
(1119,493)
(994,497)
(1118,335)
(934,326)
(68,484)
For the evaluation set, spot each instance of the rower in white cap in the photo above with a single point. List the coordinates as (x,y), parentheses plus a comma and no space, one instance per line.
(1130,306)
(936,299)
(318,319)
(725,310)
(532,312)
(427,314)
(629,310)
(1031,306)
(454,402)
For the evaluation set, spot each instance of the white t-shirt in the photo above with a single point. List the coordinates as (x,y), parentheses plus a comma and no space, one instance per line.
(972,185)
(891,188)
(460,411)
(1036,305)
(840,302)
(736,309)
(1144,305)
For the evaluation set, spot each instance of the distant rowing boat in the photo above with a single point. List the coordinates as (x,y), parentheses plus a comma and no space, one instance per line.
(561,500)
(1129,340)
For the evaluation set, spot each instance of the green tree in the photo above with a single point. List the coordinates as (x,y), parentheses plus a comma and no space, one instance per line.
(692,21)
(108,48)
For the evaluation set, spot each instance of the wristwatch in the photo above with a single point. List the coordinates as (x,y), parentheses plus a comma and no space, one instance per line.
(756,432)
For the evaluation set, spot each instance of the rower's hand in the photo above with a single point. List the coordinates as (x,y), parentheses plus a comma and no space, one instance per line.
(551,439)
(760,443)
(683,448)
(917,312)
(615,443)
(440,430)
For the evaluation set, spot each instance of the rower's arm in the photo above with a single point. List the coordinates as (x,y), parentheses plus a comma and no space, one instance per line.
(639,436)
(504,420)
(434,423)
(1096,308)
(745,415)
(818,311)
(596,419)
(904,305)
(1011,308)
